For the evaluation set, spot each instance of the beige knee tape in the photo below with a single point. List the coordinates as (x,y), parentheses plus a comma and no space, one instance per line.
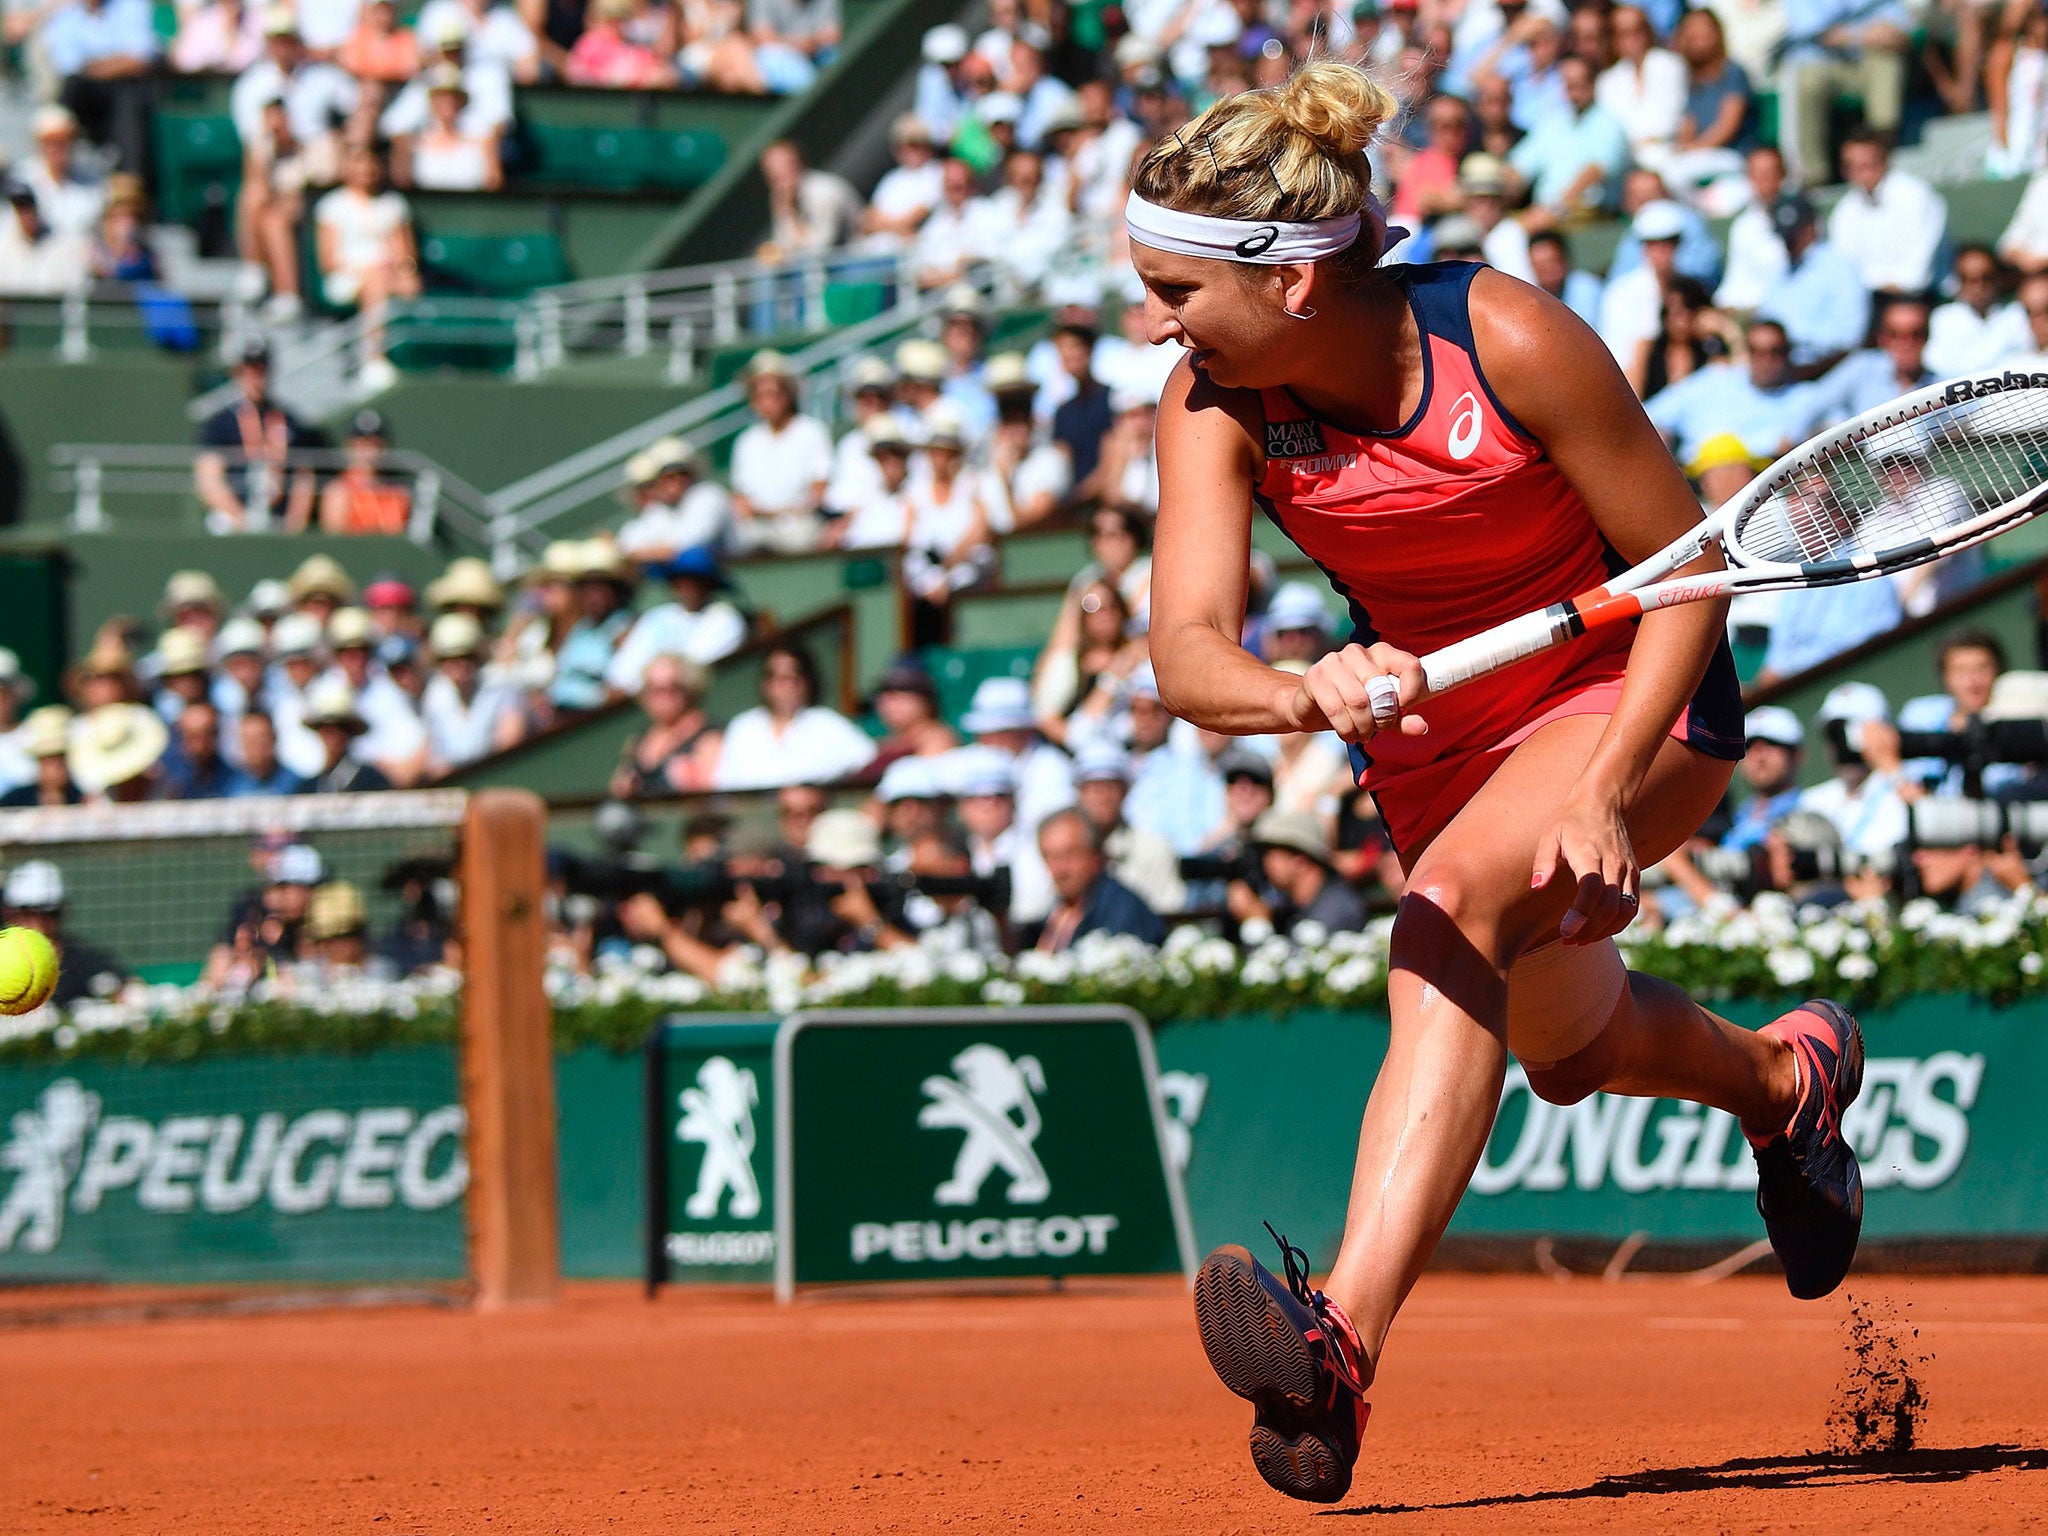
(1560,997)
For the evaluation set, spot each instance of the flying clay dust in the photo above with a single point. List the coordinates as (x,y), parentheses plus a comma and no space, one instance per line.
(1880,1401)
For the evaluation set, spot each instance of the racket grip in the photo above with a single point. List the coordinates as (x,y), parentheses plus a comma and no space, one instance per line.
(1498,647)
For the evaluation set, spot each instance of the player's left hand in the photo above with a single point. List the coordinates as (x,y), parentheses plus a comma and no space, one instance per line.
(1589,841)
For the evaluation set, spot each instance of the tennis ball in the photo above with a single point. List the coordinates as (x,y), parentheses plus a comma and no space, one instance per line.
(28,970)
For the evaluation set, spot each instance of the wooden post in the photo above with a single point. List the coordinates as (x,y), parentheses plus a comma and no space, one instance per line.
(508,1065)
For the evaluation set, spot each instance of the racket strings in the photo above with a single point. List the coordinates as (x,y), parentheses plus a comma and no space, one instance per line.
(1895,486)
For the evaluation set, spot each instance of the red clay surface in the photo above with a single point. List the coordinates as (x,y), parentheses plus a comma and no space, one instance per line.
(1505,1404)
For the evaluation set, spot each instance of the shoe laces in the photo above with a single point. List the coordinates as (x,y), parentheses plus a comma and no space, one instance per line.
(1341,1350)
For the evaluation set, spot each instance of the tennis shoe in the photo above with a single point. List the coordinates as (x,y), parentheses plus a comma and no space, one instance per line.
(1809,1188)
(1294,1355)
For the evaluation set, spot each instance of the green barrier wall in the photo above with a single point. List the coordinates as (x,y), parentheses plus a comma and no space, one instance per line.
(347,1167)
(320,1169)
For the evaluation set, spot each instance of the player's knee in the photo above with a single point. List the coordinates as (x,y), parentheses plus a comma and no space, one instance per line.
(1440,900)
(1569,1081)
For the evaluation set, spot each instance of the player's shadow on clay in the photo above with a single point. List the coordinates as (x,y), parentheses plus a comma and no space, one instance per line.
(1761,1472)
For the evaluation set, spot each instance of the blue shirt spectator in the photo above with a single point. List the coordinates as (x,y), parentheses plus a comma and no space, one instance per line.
(83,34)
(1706,97)
(1574,159)
(1821,299)
(1757,815)
(1863,381)
(1176,795)
(1807,21)
(1724,398)
(1816,623)
(1699,254)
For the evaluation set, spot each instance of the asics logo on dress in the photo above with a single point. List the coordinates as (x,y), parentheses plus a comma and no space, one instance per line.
(1465,424)
(1258,242)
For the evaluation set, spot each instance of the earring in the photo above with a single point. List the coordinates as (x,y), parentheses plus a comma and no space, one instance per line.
(1306,314)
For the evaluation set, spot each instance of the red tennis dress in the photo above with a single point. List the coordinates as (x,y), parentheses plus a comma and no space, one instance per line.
(1453,522)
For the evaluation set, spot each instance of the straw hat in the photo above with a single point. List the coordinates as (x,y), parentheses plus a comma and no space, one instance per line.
(1005,373)
(115,744)
(556,563)
(599,559)
(321,576)
(923,361)
(336,911)
(332,701)
(467,583)
(191,589)
(47,731)
(768,364)
(107,658)
(455,634)
(1296,831)
(351,628)
(180,652)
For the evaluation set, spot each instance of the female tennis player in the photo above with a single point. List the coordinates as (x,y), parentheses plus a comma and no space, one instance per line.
(1453,448)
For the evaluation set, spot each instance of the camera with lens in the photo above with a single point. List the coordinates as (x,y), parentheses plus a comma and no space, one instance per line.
(1245,865)
(1944,823)
(1979,743)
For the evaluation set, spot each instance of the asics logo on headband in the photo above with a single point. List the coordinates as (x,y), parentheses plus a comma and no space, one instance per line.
(1269,242)
(1258,244)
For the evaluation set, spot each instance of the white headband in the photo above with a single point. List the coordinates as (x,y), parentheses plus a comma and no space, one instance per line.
(1264,242)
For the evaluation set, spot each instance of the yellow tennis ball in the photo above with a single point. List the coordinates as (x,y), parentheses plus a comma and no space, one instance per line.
(28,970)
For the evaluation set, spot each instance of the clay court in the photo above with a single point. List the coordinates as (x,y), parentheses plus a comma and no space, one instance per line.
(1511,1403)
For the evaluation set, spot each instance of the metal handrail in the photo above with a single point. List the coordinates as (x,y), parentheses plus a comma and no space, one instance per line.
(92,472)
(596,471)
(79,312)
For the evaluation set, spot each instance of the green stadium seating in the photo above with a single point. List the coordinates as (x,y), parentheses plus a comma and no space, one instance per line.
(621,159)
(960,670)
(505,266)
(199,163)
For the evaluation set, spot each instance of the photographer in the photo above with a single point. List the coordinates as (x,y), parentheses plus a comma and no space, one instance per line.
(838,910)
(951,925)
(1773,749)
(1968,666)
(1862,800)
(1305,887)
(1142,861)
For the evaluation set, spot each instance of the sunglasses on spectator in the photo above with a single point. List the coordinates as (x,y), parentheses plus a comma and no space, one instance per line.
(1904,333)
(1767,349)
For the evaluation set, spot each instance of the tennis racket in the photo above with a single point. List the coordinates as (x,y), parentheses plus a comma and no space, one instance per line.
(1923,476)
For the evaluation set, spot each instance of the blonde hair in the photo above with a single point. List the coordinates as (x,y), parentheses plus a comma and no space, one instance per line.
(1291,151)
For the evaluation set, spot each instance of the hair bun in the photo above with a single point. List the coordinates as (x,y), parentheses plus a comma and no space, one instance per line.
(1338,105)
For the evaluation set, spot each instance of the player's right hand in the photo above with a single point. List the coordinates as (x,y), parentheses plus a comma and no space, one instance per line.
(1333,692)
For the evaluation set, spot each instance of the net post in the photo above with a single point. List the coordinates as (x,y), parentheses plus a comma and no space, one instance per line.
(508,1076)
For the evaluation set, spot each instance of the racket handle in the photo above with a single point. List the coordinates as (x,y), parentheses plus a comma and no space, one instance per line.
(1498,647)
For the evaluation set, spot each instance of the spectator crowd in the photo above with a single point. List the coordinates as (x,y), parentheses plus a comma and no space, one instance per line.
(1068,801)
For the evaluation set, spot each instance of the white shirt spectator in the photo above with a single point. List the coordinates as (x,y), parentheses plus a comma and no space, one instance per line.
(363,226)
(952,236)
(1506,249)
(710,634)
(880,521)
(903,191)
(828,214)
(1026,240)
(856,478)
(1871,818)
(816,747)
(51,265)
(297,747)
(1892,235)
(1631,312)
(2025,150)
(701,517)
(459,732)
(1101,168)
(502,37)
(317,97)
(324,25)
(1959,340)
(778,471)
(1756,260)
(70,206)
(486,114)
(395,731)
(1647,103)
(2025,241)
(1145,863)
(1137,369)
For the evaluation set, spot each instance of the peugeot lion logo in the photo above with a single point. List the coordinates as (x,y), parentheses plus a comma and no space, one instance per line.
(992,1098)
(1258,242)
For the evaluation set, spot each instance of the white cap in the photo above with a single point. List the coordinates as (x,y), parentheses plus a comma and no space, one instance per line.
(977,771)
(297,864)
(1099,760)
(2018,696)
(843,840)
(909,778)
(296,634)
(1144,683)
(945,44)
(1297,605)
(1855,702)
(999,107)
(999,704)
(239,637)
(36,886)
(1217,27)
(1658,219)
(1774,723)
